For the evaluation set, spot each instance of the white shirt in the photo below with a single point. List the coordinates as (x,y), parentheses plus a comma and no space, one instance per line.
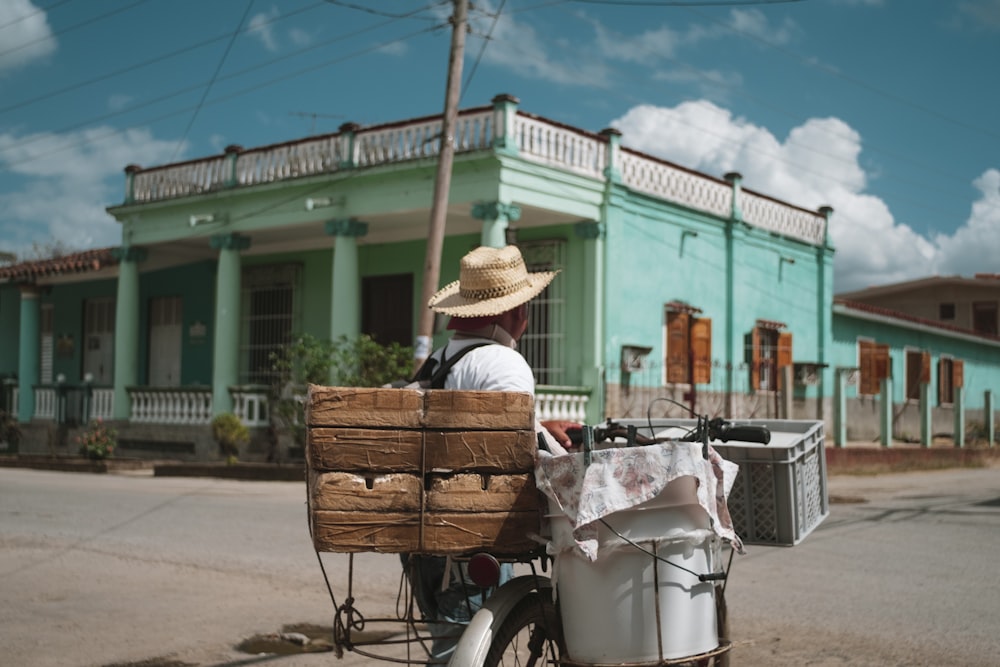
(492,367)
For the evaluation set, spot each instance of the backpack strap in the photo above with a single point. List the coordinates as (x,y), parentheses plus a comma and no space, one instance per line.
(435,374)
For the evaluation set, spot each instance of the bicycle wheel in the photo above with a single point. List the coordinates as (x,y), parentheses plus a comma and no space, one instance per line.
(531,636)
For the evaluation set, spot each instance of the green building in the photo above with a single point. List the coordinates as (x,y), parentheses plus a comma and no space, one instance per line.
(674,284)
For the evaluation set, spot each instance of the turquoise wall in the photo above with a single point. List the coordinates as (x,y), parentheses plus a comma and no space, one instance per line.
(657,254)
(982,360)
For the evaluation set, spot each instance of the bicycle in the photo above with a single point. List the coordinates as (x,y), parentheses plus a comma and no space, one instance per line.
(521,623)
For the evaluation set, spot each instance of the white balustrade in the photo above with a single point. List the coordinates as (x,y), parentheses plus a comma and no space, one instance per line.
(781,218)
(559,146)
(536,138)
(560,404)
(251,406)
(675,184)
(174,406)
(45,403)
(102,403)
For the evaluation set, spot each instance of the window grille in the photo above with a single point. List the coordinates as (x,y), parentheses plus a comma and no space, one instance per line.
(269,316)
(543,344)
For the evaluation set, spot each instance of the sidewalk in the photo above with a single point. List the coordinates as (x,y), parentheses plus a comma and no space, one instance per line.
(857,458)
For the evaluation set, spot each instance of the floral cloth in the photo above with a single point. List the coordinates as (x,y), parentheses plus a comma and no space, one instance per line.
(620,478)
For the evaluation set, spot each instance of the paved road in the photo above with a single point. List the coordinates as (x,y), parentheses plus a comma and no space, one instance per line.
(99,570)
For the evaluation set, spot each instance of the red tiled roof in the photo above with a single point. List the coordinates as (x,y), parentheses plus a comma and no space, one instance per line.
(896,315)
(77,262)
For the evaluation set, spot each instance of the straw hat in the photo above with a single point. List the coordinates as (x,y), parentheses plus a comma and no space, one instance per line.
(490,281)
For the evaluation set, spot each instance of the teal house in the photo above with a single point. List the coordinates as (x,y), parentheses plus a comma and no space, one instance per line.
(678,290)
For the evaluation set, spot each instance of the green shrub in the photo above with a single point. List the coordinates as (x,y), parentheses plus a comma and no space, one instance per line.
(230,433)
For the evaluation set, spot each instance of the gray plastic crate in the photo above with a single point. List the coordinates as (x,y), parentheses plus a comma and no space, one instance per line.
(780,494)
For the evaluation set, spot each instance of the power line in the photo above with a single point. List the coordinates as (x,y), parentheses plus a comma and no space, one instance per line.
(40,10)
(145,63)
(94,19)
(486,41)
(376,12)
(215,74)
(281,79)
(681,3)
(174,93)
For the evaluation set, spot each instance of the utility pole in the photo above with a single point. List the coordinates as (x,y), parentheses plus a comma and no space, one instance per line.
(442,184)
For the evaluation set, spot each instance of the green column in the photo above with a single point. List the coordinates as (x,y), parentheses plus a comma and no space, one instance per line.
(496,217)
(735,179)
(126,373)
(925,414)
(959,416)
(226,348)
(840,407)
(28,351)
(593,311)
(988,418)
(345,289)
(885,413)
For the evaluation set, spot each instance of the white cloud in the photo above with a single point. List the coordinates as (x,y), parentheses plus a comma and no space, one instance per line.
(974,247)
(872,247)
(261,28)
(983,13)
(25,36)
(754,23)
(65,181)
(517,46)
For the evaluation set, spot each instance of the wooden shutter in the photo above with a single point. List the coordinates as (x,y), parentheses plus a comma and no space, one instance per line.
(925,368)
(957,373)
(866,359)
(755,358)
(678,348)
(883,365)
(784,349)
(701,350)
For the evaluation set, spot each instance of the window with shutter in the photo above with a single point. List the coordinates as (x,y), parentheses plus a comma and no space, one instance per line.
(918,372)
(701,350)
(678,347)
(945,381)
(769,349)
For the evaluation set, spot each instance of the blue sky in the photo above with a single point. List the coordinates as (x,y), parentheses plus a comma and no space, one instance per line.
(883,109)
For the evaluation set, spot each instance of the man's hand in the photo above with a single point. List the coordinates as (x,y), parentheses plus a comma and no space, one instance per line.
(558,428)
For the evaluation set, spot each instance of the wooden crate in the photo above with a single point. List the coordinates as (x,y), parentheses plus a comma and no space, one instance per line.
(441,471)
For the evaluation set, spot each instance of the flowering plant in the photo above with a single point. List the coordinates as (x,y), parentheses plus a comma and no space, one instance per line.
(98,441)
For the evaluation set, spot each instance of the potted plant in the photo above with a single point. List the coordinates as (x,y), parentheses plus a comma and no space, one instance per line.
(10,433)
(230,433)
(98,442)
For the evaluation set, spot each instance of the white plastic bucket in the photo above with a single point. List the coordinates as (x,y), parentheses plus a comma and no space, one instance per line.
(608,607)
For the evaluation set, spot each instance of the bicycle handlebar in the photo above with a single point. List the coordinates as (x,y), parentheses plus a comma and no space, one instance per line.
(715,429)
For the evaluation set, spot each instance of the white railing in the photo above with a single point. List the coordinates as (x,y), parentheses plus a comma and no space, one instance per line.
(45,403)
(181,180)
(560,146)
(102,404)
(302,158)
(783,219)
(170,406)
(250,404)
(536,139)
(15,401)
(672,183)
(566,403)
